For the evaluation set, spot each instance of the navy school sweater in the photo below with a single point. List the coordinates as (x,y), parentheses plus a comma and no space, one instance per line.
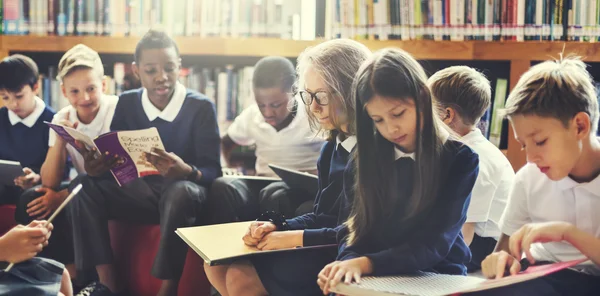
(321,226)
(432,241)
(27,145)
(193,135)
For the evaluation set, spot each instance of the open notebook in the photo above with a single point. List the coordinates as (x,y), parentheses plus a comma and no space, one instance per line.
(430,284)
(222,243)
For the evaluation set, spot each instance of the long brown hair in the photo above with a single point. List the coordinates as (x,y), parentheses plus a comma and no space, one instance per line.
(394,74)
(336,61)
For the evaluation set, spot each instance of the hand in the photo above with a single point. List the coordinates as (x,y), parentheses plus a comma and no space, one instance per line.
(68,123)
(278,240)
(256,231)
(349,270)
(24,242)
(28,180)
(495,264)
(96,164)
(169,164)
(521,240)
(46,204)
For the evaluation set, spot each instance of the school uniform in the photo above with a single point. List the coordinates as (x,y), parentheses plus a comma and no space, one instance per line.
(23,140)
(60,246)
(36,276)
(295,147)
(295,273)
(534,198)
(488,198)
(188,128)
(432,241)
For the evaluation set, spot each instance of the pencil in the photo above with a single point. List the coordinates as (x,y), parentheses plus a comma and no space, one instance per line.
(62,205)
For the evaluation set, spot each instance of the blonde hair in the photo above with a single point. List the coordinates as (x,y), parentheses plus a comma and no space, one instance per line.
(558,89)
(464,89)
(336,62)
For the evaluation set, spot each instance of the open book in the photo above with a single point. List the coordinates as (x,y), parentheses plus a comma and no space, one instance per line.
(129,145)
(222,243)
(430,284)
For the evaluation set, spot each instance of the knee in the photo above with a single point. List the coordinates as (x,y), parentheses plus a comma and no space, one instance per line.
(220,187)
(273,192)
(21,215)
(236,280)
(182,195)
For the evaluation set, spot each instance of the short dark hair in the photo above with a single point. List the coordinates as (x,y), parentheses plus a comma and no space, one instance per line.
(17,71)
(274,71)
(154,39)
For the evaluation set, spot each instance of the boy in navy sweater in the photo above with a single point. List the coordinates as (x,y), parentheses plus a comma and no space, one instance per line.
(187,125)
(23,134)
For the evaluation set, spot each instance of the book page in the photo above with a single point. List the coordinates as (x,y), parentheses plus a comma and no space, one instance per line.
(70,135)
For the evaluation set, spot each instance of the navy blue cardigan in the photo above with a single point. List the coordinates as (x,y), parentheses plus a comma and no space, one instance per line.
(432,241)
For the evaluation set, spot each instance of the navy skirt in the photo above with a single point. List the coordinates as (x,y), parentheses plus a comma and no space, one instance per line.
(34,277)
(295,272)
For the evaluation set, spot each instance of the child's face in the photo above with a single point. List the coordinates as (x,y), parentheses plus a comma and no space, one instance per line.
(158,70)
(396,120)
(273,104)
(313,83)
(22,102)
(83,88)
(548,144)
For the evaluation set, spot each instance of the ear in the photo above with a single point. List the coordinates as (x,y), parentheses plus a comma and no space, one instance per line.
(36,87)
(64,90)
(583,124)
(448,115)
(103,85)
(135,70)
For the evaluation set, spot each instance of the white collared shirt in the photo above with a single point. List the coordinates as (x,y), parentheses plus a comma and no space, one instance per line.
(295,146)
(399,154)
(171,110)
(30,120)
(534,198)
(348,143)
(492,186)
(99,125)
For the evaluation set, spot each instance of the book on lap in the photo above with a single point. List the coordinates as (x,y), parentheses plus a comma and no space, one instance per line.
(129,145)
(297,179)
(431,284)
(9,170)
(222,243)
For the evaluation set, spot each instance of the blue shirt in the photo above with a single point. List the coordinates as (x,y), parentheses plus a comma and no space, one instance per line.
(193,135)
(320,226)
(27,145)
(432,241)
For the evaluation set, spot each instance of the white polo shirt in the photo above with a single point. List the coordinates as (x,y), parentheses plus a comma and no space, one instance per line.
(295,146)
(30,120)
(535,198)
(99,125)
(492,186)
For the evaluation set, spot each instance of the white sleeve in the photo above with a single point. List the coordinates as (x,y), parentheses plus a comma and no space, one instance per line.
(481,198)
(52,135)
(239,130)
(516,213)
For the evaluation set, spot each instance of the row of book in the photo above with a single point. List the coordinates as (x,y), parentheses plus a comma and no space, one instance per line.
(288,19)
(458,20)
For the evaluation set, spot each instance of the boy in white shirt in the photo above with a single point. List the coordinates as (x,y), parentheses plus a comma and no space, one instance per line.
(463,95)
(81,73)
(279,128)
(553,211)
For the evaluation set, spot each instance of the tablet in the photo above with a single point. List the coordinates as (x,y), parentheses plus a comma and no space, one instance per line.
(9,170)
(297,179)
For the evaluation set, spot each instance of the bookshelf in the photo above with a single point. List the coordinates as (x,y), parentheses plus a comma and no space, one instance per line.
(520,55)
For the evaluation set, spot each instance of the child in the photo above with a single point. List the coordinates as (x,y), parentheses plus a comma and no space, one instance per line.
(554,114)
(463,95)
(23,133)
(413,182)
(81,72)
(186,122)
(325,75)
(31,276)
(278,128)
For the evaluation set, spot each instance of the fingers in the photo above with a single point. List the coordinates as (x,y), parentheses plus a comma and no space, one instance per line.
(357,277)
(161,153)
(514,244)
(321,284)
(348,277)
(262,243)
(36,232)
(44,215)
(36,223)
(36,208)
(249,240)
(515,267)
(38,200)
(526,245)
(337,278)
(504,259)
(27,171)
(48,226)
(40,213)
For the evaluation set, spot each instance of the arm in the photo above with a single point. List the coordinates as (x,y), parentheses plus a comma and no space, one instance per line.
(429,246)
(468,231)
(207,145)
(584,242)
(227,145)
(53,169)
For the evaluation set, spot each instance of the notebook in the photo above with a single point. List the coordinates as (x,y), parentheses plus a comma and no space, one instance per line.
(431,284)
(9,170)
(222,243)
(297,179)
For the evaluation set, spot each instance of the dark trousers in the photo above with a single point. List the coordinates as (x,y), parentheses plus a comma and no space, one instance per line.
(563,283)
(9,195)
(480,247)
(235,199)
(60,245)
(148,200)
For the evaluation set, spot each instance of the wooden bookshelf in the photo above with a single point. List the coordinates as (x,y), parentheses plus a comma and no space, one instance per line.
(519,54)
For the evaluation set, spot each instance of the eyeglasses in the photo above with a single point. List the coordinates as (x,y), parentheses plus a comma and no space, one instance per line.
(322,97)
